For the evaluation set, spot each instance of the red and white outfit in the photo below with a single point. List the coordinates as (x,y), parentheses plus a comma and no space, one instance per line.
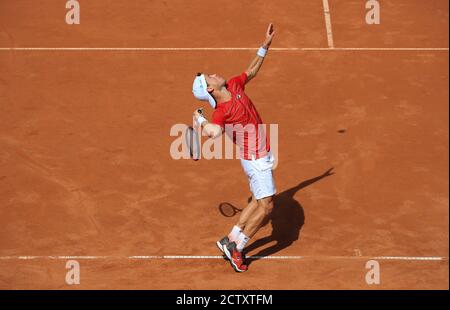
(242,123)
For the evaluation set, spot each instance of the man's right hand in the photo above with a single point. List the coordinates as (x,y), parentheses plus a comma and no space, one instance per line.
(269,36)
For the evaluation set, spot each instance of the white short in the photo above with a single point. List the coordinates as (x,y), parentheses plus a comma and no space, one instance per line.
(259,173)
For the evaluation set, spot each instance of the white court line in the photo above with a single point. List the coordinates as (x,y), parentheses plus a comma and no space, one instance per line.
(193,49)
(326,12)
(206,257)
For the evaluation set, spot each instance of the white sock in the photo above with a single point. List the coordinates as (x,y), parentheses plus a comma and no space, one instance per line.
(242,242)
(234,234)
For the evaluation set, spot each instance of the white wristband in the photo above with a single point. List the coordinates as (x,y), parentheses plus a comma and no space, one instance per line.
(262,52)
(200,120)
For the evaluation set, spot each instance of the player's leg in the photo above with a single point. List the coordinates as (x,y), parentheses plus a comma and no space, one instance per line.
(234,249)
(262,186)
(246,213)
(263,210)
(233,236)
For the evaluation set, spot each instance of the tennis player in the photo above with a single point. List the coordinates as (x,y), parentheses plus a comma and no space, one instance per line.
(234,110)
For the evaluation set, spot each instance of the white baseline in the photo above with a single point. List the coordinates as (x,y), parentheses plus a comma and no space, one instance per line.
(226,49)
(209,257)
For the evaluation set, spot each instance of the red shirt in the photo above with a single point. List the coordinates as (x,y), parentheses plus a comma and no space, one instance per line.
(240,120)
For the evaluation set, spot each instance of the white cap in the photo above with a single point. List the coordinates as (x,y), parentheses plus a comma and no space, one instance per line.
(200,91)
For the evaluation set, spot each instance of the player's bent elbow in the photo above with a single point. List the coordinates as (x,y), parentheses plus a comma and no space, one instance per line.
(215,133)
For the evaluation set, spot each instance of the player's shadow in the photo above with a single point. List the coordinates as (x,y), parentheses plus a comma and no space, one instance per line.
(287,220)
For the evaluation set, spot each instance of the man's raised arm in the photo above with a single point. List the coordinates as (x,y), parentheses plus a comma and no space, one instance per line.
(256,64)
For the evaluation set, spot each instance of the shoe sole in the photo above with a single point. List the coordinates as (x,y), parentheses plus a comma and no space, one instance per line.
(226,252)
(219,245)
(228,255)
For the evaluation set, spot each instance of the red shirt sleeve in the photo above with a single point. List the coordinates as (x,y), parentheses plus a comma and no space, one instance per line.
(240,80)
(218,118)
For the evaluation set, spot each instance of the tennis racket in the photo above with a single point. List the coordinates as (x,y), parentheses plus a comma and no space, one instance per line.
(192,137)
(228,210)
(193,143)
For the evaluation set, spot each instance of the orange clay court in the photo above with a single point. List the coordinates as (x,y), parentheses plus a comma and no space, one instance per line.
(86,173)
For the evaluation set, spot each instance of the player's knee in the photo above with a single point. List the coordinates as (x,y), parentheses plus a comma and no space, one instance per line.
(269,208)
(267,205)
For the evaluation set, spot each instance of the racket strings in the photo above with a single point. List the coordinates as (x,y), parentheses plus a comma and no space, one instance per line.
(228,209)
(193,143)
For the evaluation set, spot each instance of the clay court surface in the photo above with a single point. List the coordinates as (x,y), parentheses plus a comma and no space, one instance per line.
(85,169)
